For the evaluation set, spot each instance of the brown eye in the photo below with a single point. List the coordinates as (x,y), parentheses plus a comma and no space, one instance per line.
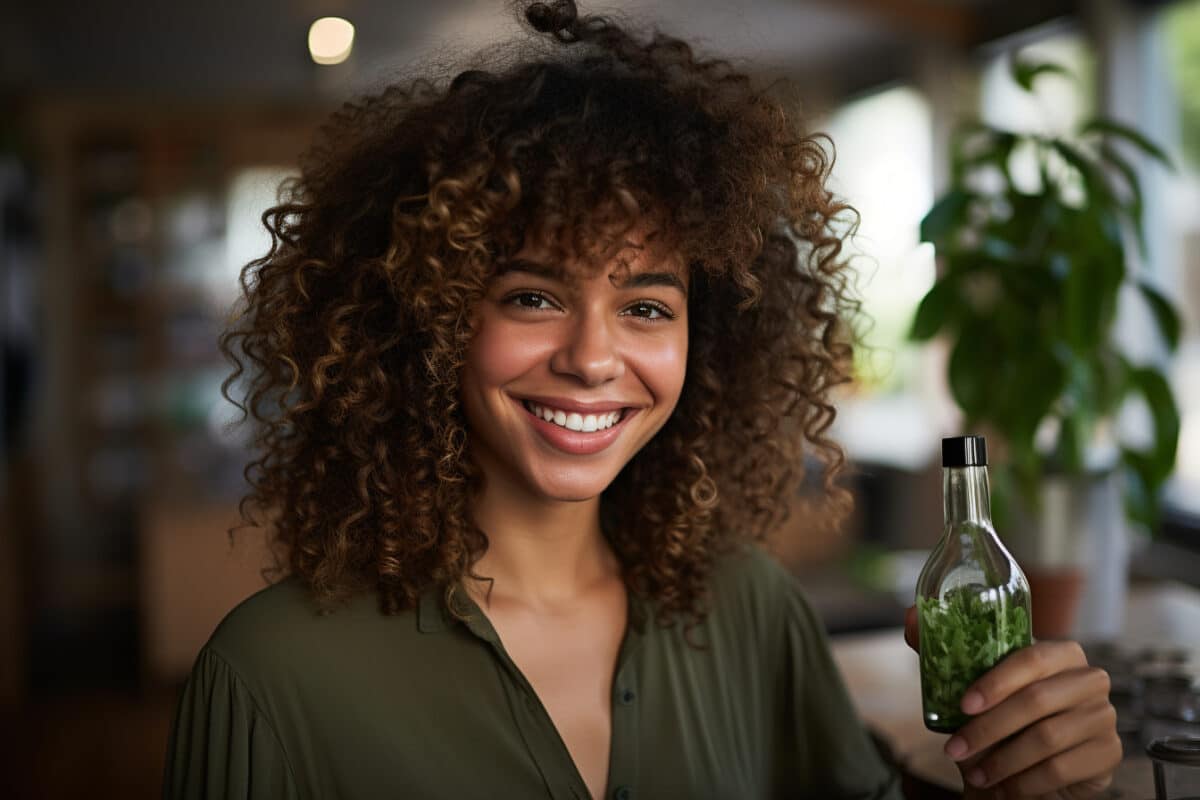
(650,311)
(534,301)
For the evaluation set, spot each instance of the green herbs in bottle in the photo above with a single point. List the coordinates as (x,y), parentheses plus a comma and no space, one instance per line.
(972,598)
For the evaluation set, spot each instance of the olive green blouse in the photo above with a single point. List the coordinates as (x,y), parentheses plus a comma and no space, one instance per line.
(286,703)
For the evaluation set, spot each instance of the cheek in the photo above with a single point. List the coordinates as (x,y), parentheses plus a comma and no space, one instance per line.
(664,367)
(501,352)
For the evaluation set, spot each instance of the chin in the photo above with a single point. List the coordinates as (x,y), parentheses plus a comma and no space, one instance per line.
(571,489)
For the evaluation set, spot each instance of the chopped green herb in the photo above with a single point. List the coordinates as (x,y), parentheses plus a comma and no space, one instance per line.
(963,635)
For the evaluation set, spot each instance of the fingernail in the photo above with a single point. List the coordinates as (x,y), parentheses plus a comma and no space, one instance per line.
(976,777)
(972,702)
(956,748)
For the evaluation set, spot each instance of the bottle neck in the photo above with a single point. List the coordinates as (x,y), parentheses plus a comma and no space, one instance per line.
(966,495)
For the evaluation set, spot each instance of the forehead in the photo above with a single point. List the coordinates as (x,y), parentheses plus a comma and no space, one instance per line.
(622,264)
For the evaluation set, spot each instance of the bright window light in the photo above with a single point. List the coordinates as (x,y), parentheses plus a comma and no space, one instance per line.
(884,169)
(330,40)
(251,192)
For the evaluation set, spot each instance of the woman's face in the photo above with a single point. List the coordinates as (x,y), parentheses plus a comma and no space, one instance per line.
(569,374)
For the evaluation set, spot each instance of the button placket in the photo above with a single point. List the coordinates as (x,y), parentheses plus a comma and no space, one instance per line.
(542,741)
(535,727)
(624,756)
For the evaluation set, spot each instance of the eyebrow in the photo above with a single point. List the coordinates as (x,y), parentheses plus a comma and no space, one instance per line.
(637,280)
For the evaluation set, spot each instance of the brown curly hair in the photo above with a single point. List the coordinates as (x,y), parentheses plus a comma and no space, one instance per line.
(351,332)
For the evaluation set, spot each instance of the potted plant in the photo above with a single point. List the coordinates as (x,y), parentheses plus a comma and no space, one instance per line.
(1027,296)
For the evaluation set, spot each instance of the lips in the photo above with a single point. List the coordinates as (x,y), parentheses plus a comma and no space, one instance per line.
(574,420)
(577,442)
(568,405)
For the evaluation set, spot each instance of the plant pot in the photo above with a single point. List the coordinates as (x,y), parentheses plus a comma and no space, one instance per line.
(1055,594)
(1075,552)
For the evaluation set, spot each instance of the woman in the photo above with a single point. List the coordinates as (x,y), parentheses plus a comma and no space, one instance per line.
(537,359)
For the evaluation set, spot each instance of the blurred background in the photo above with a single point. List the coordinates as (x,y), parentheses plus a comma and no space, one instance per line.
(140,142)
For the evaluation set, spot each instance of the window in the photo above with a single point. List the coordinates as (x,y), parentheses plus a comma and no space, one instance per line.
(1177,31)
(884,169)
(251,192)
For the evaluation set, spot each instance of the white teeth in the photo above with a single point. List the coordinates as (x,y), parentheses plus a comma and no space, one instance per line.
(573,421)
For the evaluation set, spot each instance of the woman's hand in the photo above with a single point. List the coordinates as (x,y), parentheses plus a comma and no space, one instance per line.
(1042,725)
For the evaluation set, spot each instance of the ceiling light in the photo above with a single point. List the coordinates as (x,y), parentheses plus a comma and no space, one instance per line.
(330,40)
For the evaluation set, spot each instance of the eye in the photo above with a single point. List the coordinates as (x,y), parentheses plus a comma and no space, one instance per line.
(534,301)
(650,310)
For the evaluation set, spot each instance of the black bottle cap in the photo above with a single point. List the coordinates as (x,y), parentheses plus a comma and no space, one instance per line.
(964,451)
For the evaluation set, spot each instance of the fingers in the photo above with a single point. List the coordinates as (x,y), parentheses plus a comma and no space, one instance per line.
(1042,722)
(1039,700)
(910,629)
(1020,669)
(1049,749)
(1088,766)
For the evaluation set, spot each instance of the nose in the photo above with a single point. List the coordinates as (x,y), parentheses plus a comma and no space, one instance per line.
(589,352)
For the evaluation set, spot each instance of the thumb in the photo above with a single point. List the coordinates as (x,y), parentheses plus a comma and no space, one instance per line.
(910,629)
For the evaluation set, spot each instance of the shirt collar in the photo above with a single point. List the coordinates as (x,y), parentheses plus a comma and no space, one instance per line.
(434,617)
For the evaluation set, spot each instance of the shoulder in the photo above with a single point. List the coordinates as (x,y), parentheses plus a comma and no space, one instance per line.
(751,587)
(268,617)
(280,627)
(750,575)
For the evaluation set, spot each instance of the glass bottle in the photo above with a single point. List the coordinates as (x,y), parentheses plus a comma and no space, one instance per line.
(972,598)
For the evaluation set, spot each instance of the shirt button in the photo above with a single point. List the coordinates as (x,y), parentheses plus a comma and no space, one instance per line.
(627,696)
(623,793)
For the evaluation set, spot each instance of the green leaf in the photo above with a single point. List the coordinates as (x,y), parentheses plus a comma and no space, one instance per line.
(1165,315)
(1069,452)
(1024,72)
(1026,467)
(1160,460)
(1094,180)
(1042,379)
(1001,499)
(947,217)
(975,145)
(1111,380)
(1136,204)
(1092,239)
(1082,306)
(969,380)
(1141,503)
(1138,140)
(975,383)
(933,310)
(1000,250)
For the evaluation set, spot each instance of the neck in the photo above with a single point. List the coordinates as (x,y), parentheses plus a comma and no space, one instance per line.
(540,552)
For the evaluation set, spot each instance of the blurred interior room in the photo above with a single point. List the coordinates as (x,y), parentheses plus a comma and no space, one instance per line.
(140,142)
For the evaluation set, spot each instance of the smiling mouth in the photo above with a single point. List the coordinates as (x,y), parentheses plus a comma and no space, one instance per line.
(574,421)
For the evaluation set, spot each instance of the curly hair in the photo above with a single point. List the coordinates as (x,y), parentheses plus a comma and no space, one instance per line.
(351,331)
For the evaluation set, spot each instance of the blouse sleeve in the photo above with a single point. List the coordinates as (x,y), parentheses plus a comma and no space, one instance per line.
(222,745)
(830,747)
